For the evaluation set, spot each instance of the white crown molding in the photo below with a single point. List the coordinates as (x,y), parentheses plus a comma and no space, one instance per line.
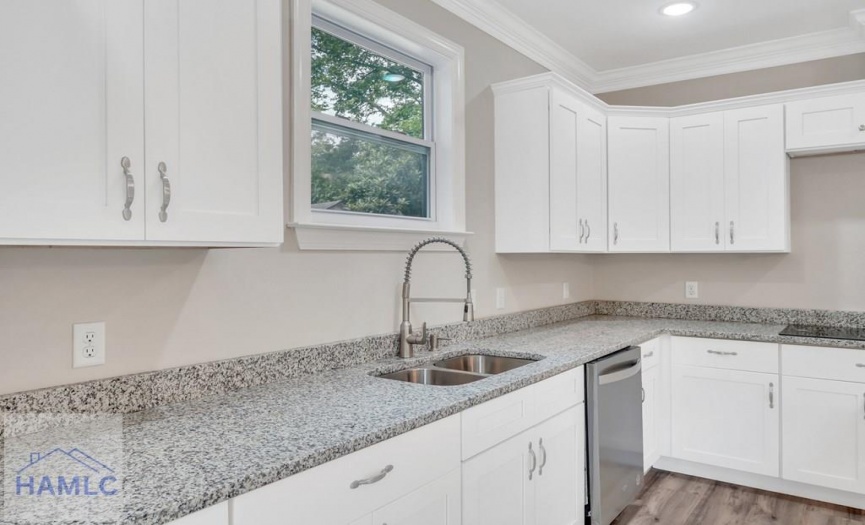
(494,19)
(490,17)
(804,48)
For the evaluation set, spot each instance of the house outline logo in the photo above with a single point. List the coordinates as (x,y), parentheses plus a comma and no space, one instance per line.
(54,474)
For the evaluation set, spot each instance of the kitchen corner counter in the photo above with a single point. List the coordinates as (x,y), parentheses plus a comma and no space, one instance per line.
(183,457)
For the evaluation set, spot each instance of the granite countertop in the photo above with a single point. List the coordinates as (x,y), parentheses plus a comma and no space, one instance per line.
(184,457)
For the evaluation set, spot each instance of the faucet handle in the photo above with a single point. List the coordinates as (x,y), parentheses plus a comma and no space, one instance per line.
(418,340)
(434,340)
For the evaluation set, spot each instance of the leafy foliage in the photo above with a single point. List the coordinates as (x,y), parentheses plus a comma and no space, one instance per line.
(360,173)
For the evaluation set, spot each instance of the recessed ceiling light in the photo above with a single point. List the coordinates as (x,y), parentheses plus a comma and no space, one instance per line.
(678,9)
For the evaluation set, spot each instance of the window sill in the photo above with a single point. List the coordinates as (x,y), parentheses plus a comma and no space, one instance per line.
(329,237)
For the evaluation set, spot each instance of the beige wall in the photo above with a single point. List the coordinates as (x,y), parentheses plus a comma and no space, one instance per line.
(166,308)
(826,268)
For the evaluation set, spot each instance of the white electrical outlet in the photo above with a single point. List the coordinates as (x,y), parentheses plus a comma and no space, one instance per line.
(566,290)
(88,344)
(500,298)
(692,290)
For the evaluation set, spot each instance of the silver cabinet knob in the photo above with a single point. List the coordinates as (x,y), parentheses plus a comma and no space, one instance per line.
(862,127)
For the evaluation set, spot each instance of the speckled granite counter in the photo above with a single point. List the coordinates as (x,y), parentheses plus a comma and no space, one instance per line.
(183,457)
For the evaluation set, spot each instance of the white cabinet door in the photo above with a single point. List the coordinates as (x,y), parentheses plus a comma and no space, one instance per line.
(697,183)
(726,418)
(496,485)
(566,230)
(213,105)
(826,124)
(592,179)
(651,401)
(756,180)
(639,184)
(71,107)
(435,504)
(215,515)
(560,488)
(578,175)
(824,433)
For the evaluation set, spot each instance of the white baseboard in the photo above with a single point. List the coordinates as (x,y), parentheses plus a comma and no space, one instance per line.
(757,481)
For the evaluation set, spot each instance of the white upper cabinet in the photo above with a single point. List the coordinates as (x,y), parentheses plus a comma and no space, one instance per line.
(639,184)
(826,124)
(729,182)
(71,108)
(551,170)
(756,180)
(697,183)
(214,120)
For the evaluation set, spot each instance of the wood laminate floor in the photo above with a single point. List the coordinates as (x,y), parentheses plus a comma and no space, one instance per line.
(674,499)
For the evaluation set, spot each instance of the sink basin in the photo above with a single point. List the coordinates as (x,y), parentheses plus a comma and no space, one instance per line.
(432,376)
(483,364)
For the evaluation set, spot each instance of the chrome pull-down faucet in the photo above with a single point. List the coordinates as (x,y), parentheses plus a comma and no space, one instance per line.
(407,338)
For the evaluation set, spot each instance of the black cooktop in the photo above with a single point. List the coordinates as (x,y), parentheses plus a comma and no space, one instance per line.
(825,332)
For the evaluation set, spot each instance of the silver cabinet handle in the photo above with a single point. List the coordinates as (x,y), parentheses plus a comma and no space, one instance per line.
(649,354)
(582,231)
(615,233)
(771,395)
(374,479)
(166,191)
(643,394)
(860,365)
(717,352)
(588,230)
(125,163)
(534,461)
(717,232)
(732,232)
(543,457)
(862,127)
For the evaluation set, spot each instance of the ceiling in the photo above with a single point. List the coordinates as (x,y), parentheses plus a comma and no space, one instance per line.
(613,34)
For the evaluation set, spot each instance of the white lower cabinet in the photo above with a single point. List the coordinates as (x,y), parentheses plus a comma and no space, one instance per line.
(534,478)
(824,417)
(651,430)
(824,433)
(437,503)
(726,418)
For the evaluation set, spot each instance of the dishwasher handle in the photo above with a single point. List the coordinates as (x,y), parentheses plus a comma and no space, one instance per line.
(618,373)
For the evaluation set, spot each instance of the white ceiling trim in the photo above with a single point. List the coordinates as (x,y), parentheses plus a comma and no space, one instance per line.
(815,46)
(499,22)
(492,18)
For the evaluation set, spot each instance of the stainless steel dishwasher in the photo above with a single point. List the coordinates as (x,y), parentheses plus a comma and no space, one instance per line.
(614,416)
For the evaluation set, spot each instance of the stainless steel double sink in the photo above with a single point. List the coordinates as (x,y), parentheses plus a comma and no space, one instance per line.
(458,370)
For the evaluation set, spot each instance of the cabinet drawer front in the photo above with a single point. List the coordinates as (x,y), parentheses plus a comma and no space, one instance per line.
(730,355)
(825,122)
(324,494)
(841,364)
(559,393)
(650,353)
(497,420)
(504,417)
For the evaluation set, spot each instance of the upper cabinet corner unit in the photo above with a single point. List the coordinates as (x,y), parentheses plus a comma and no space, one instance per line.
(826,124)
(551,168)
(639,184)
(141,123)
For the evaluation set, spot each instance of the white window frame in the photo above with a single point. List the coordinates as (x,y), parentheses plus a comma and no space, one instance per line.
(444,128)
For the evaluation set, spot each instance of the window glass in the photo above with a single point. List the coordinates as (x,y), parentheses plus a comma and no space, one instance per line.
(354,83)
